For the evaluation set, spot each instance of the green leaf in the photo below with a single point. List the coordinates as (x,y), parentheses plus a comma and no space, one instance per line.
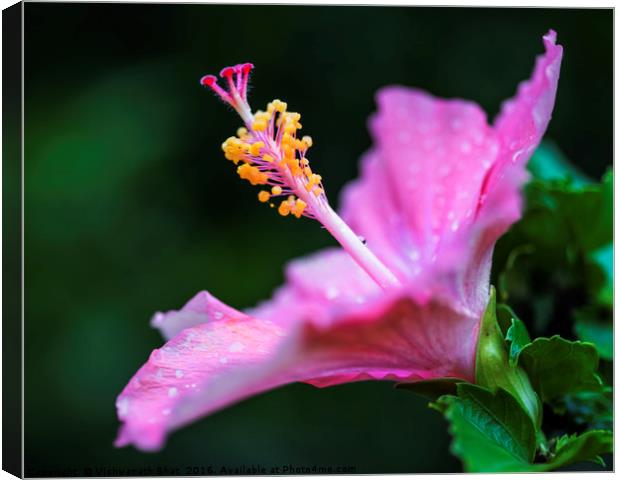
(557,367)
(548,163)
(504,277)
(517,338)
(492,433)
(493,369)
(432,389)
(588,212)
(581,448)
(590,327)
(559,256)
(603,259)
(592,409)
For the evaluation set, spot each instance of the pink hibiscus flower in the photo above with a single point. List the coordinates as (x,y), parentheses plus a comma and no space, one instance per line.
(436,191)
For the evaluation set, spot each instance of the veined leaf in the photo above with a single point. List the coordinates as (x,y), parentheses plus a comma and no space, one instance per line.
(558,367)
(492,432)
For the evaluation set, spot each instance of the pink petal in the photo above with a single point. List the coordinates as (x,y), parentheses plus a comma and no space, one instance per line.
(204,362)
(319,288)
(520,126)
(436,153)
(524,118)
(202,308)
(440,185)
(416,200)
(212,365)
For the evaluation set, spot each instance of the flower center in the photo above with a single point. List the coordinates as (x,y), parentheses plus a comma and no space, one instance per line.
(267,151)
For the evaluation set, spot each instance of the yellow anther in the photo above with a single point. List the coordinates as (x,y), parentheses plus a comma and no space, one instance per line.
(313,180)
(255,148)
(317,191)
(299,208)
(307,171)
(289,152)
(242,132)
(307,140)
(305,162)
(228,143)
(289,128)
(263,196)
(277,190)
(268,158)
(252,174)
(260,120)
(259,125)
(279,106)
(286,139)
(293,165)
(284,209)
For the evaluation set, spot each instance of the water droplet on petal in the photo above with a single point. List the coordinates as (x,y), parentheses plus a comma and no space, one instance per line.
(236,347)
(123,407)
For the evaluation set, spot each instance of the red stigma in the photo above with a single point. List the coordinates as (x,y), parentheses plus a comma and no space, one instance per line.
(227,72)
(208,80)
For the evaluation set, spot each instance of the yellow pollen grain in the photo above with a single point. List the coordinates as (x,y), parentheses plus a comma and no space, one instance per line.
(259,125)
(267,158)
(263,196)
(277,190)
(284,209)
(307,140)
(255,148)
(279,105)
(299,208)
(252,174)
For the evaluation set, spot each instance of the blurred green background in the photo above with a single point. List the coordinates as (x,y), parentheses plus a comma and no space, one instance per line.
(131,207)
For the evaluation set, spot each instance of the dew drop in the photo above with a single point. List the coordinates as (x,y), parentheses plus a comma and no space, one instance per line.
(236,347)
(123,407)
(332,292)
(172,392)
(465,147)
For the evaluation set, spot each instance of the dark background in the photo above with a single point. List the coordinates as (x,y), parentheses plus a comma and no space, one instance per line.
(131,208)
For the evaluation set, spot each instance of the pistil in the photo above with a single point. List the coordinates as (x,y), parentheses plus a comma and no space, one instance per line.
(268,152)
